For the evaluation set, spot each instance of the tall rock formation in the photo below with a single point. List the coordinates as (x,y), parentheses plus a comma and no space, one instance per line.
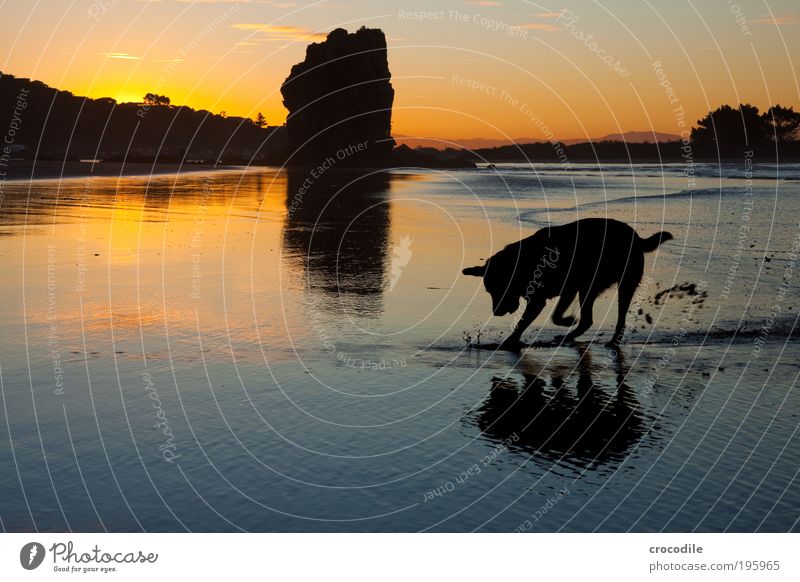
(340,101)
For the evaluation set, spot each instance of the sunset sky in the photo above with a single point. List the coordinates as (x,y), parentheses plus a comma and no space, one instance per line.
(494,69)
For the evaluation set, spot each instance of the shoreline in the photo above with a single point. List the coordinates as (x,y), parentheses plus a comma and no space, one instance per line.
(28,170)
(634,161)
(25,171)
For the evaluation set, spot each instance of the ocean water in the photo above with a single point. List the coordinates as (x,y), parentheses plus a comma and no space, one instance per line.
(259,350)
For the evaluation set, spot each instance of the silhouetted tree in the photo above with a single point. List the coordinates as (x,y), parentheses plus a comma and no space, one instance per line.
(730,129)
(782,123)
(156,100)
(260,120)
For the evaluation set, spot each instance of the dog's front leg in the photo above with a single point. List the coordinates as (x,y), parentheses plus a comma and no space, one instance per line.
(532,311)
(567,297)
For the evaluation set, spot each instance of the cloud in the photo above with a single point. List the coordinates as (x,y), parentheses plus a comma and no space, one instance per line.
(124,56)
(548,15)
(127,57)
(485,3)
(778,19)
(281,31)
(214,1)
(540,26)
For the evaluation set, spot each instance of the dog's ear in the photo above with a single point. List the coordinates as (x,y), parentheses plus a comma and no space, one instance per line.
(479,271)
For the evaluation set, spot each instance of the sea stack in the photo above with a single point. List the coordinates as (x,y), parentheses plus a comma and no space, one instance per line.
(340,102)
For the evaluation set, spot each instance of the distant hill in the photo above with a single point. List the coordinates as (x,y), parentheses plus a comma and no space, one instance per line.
(58,125)
(482,143)
(633,137)
(619,151)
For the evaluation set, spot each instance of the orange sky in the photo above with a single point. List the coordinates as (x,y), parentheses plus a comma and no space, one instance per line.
(460,69)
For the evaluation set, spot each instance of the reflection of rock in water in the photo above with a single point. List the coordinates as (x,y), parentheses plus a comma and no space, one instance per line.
(337,228)
(587,424)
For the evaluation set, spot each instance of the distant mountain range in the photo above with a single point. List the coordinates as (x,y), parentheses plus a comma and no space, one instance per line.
(481,143)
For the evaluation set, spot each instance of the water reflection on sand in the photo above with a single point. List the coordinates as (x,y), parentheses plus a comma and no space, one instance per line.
(268,326)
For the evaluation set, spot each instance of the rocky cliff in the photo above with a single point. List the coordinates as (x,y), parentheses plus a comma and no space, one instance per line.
(340,101)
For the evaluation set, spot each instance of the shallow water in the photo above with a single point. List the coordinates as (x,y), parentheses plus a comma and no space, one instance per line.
(248,350)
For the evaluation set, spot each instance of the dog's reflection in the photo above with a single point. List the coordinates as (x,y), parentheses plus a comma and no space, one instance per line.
(584,422)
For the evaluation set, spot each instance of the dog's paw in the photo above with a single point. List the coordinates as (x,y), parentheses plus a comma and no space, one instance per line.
(566,321)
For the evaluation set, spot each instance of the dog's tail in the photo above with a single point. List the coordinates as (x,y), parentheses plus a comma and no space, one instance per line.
(651,243)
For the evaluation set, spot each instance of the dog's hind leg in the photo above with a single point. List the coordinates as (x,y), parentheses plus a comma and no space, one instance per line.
(532,311)
(587,304)
(564,302)
(627,288)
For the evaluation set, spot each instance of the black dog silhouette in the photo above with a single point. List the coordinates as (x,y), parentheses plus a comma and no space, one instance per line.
(581,258)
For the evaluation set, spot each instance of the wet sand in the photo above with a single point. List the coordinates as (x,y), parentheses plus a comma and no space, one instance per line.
(238,351)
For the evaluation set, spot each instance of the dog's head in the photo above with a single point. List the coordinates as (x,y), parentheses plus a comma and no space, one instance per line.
(499,281)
